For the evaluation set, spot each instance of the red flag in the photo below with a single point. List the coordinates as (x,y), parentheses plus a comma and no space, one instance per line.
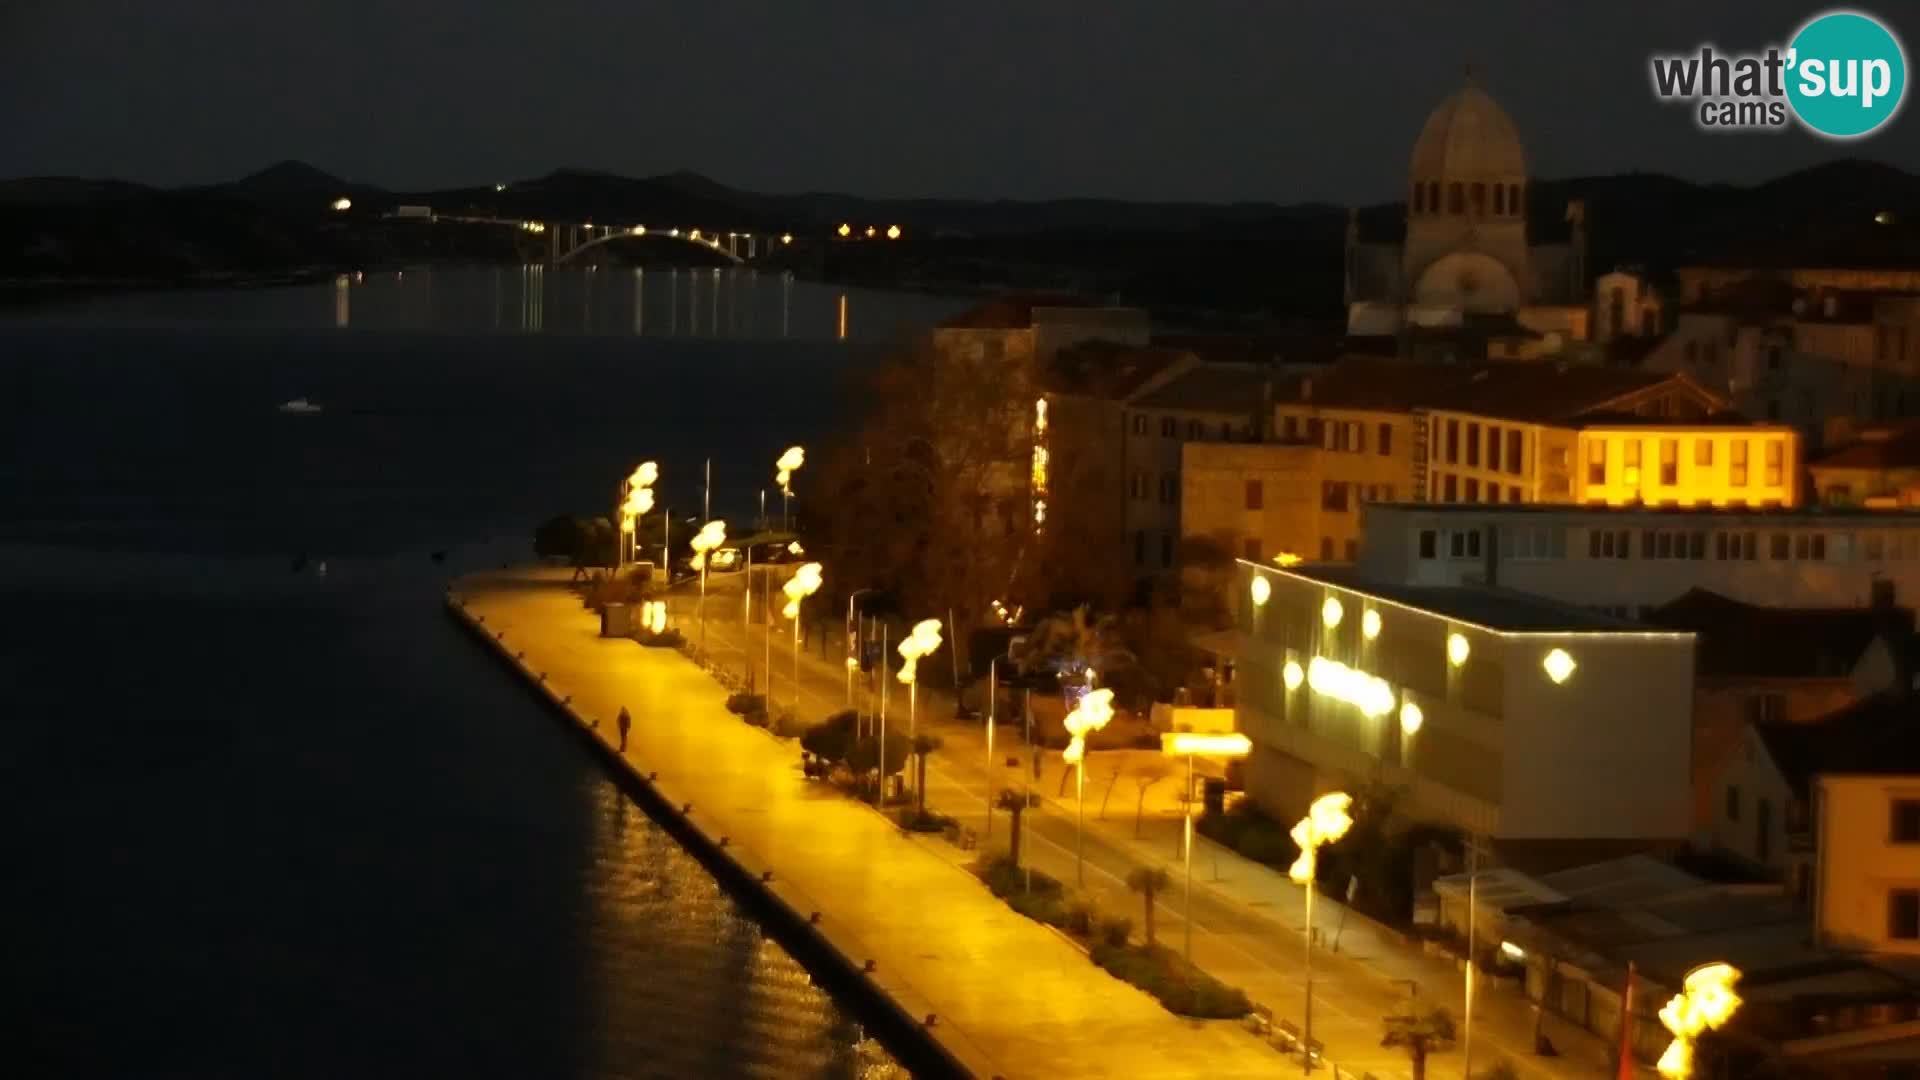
(1626,1071)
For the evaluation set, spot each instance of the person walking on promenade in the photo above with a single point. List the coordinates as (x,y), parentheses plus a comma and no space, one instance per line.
(623,721)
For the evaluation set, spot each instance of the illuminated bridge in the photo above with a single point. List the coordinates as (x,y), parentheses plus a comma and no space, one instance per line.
(567,240)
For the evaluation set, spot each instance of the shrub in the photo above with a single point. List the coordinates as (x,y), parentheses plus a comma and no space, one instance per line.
(786,725)
(1179,986)
(671,639)
(741,702)
(1081,915)
(1004,879)
(830,740)
(757,718)
(1115,930)
(1251,833)
(924,821)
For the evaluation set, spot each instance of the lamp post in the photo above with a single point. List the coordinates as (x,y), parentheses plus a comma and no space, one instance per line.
(1327,820)
(853,640)
(1093,712)
(804,583)
(921,641)
(1706,1000)
(1191,745)
(710,536)
(636,500)
(784,469)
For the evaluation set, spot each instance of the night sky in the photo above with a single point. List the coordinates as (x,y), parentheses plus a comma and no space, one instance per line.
(1281,100)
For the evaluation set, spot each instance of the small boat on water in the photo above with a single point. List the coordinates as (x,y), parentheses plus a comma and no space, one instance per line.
(300,405)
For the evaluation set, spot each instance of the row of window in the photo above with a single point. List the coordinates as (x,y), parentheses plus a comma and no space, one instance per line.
(1631,451)
(1333,494)
(1250,549)
(1449,488)
(1349,436)
(1549,542)
(1504,448)
(1140,549)
(1196,430)
(1478,198)
(1169,487)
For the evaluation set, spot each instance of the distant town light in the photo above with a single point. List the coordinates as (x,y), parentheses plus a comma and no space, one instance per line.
(893,232)
(786,238)
(870,232)
(639,230)
(499,187)
(845,229)
(343,203)
(1559,665)
(694,234)
(1457,649)
(1331,612)
(1885,217)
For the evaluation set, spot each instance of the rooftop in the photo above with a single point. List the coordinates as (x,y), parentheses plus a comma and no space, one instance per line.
(1102,369)
(1542,392)
(1498,610)
(1893,446)
(1852,517)
(1234,389)
(1876,736)
(1746,640)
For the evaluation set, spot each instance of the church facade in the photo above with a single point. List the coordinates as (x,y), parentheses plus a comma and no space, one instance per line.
(1466,256)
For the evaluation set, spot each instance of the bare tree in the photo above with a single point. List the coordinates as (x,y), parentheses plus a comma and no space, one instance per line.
(1147,774)
(1147,881)
(1421,1034)
(1112,773)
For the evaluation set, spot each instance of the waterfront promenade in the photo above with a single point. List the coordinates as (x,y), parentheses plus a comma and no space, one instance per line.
(1010,997)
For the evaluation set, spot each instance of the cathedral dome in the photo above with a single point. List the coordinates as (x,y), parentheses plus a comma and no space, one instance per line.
(1469,136)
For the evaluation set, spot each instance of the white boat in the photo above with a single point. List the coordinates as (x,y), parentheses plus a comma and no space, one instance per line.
(299,405)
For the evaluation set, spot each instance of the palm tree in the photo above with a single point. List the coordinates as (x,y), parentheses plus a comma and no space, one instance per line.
(1147,881)
(1015,804)
(1421,1035)
(922,746)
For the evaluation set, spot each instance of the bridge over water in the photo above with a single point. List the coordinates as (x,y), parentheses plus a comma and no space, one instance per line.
(568,240)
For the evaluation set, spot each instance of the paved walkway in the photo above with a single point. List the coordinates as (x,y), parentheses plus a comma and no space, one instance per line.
(1247,918)
(1013,998)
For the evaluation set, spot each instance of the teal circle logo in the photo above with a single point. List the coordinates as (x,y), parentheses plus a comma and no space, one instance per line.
(1847,74)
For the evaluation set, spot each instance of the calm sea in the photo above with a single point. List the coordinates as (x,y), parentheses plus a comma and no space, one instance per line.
(268,823)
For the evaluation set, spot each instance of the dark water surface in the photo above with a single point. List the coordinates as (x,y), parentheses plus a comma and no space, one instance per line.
(263,823)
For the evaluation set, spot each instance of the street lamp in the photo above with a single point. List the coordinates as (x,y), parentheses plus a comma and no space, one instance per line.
(1094,711)
(921,641)
(636,503)
(784,468)
(710,536)
(804,583)
(1706,1000)
(853,641)
(1327,821)
(1190,745)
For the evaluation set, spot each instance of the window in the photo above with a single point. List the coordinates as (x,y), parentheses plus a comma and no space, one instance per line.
(1703,452)
(1256,495)
(1429,543)
(1226,429)
(1353,551)
(1289,427)
(1166,550)
(1456,199)
(1473,490)
(1139,547)
(1139,423)
(1453,442)
(1463,543)
(1697,545)
(1513,198)
(1493,492)
(1250,548)
(1450,488)
(1169,488)
(1473,445)
(1874,547)
(1632,458)
(1514,443)
(1810,546)
(1493,449)
(1669,462)
(1479,199)
(1169,427)
(1326,549)
(1733,802)
(1195,431)
(1903,914)
(1500,198)
(1779,546)
(1776,458)
(1333,496)
(1315,433)
(1906,821)
(1597,462)
(1738,470)
(1357,437)
(1384,441)
(1139,484)
(1513,494)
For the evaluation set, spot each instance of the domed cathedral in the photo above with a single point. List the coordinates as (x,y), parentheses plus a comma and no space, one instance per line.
(1465,260)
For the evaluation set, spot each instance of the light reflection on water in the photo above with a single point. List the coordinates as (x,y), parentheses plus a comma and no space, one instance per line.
(732,304)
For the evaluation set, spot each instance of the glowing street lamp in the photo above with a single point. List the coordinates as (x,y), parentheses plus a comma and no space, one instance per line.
(788,464)
(920,642)
(1190,745)
(804,583)
(1327,820)
(710,537)
(1706,1000)
(637,503)
(342,204)
(1094,712)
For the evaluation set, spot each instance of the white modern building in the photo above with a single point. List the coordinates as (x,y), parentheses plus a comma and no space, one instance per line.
(1625,560)
(1531,724)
